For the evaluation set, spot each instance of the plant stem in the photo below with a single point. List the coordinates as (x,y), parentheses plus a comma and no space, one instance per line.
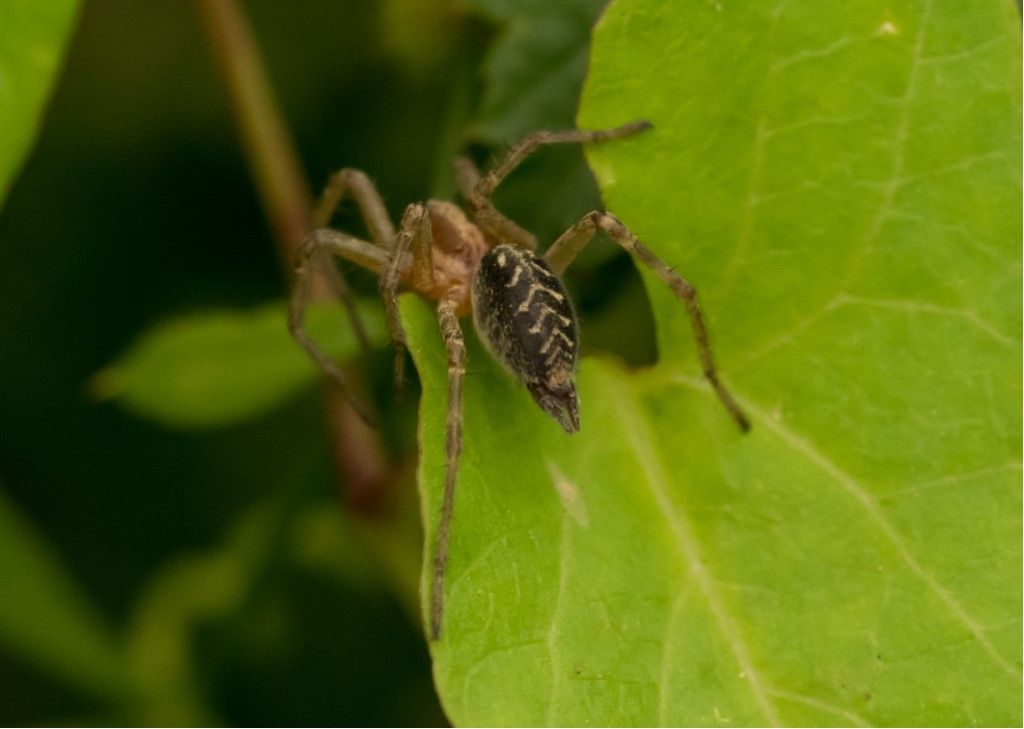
(268,146)
(285,196)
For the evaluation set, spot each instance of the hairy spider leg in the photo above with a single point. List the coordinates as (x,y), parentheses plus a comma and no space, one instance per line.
(318,243)
(375,216)
(455,345)
(415,237)
(371,207)
(572,241)
(478,190)
(483,212)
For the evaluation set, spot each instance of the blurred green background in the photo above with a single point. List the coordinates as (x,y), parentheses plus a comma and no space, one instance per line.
(214,576)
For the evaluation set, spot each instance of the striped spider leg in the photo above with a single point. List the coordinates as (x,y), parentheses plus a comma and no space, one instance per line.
(564,250)
(309,262)
(313,260)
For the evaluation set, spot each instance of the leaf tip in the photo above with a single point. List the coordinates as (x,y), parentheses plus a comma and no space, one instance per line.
(105,385)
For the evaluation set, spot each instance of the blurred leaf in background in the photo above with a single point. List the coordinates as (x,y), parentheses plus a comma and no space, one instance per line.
(33,37)
(215,368)
(45,618)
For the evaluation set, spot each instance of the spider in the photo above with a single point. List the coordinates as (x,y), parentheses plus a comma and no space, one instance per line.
(487,265)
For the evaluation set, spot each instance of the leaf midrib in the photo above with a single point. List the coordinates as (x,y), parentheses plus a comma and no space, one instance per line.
(640,436)
(803,446)
(864,498)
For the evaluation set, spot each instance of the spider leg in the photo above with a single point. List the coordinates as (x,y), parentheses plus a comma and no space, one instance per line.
(466,176)
(320,243)
(483,212)
(415,238)
(456,347)
(572,241)
(478,197)
(371,207)
(374,214)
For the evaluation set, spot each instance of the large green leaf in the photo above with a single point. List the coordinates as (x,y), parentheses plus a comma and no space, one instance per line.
(32,40)
(843,187)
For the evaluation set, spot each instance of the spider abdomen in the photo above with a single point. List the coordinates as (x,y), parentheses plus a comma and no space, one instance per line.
(523,313)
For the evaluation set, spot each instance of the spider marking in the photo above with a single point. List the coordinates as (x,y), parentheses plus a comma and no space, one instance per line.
(547,311)
(515,274)
(534,288)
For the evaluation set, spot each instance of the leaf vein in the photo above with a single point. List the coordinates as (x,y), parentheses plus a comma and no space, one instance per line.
(828,707)
(666,651)
(924,307)
(552,635)
(639,435)
(861,495)
(901,135)
(951,479)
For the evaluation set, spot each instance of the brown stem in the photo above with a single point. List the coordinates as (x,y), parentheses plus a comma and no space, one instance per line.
(268,146)
(285,196)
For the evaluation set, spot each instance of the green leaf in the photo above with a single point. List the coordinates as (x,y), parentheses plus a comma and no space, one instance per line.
(535,69)
(45,618)
(842,185)
(182,595)
(33,36)
(215,368)
(200,599)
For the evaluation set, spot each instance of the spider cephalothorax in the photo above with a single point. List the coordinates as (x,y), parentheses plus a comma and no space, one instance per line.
(484,264)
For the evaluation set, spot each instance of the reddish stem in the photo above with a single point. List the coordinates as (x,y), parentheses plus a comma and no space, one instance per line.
(285,196)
